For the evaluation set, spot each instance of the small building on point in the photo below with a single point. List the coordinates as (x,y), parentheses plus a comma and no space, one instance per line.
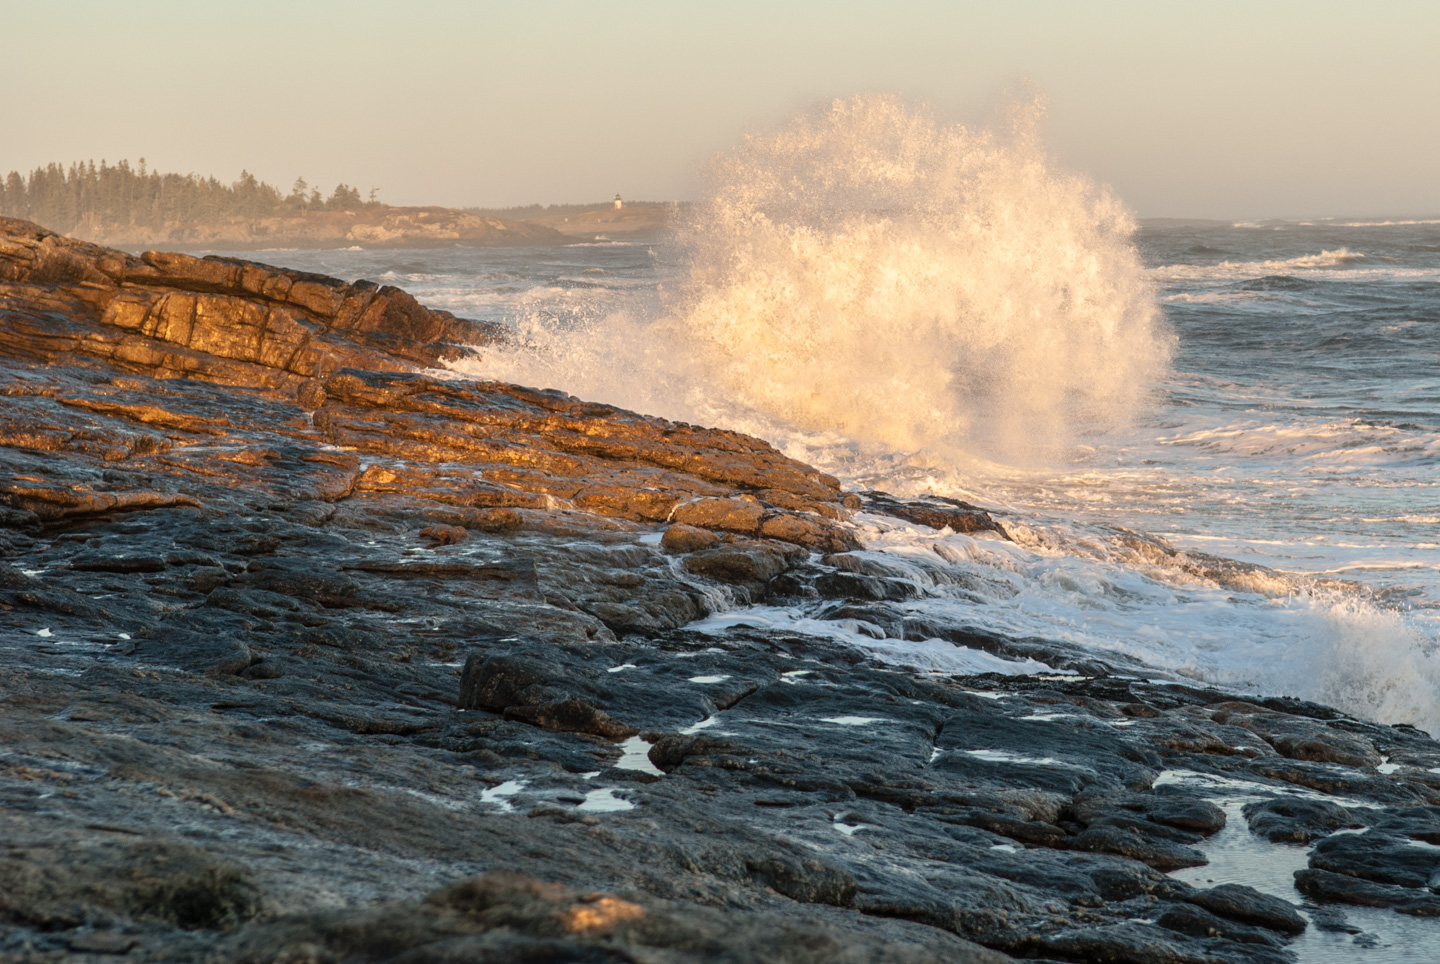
(618,202)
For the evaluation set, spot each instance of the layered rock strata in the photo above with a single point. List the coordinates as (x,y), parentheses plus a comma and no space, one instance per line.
(312,653)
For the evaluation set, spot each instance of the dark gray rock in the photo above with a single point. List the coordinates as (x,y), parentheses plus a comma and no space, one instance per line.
(1198,922)
(212,653)
(1297,820)
(1330,887)
(1377,856)
(1162,855)
(1417,823)
(1250,906)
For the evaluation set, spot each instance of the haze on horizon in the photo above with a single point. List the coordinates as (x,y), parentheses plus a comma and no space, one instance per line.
(1226,110)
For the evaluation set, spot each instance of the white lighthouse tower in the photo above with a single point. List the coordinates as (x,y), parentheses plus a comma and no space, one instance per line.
(618,203)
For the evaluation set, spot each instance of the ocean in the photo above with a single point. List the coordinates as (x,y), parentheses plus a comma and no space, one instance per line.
(1215,445)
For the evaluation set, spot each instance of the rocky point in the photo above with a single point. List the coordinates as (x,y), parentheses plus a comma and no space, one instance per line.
(314,652)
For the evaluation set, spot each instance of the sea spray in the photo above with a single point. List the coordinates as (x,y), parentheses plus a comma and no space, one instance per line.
(921,285)
(872,272)
(910,305)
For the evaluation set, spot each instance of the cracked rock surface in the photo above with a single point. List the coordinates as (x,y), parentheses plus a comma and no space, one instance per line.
(312,655)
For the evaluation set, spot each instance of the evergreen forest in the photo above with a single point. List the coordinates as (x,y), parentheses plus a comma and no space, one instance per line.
(91,198)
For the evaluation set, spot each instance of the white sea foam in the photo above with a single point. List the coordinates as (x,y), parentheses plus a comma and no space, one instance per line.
(1339,263)
(935,655)
(1249,629)
(1002,756)
(1256,269)
(1215,297)
(500,793)
(1352,443)
(1384,224)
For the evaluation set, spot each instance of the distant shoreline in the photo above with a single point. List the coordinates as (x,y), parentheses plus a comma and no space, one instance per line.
(380,226)
(134,208)
(385,227)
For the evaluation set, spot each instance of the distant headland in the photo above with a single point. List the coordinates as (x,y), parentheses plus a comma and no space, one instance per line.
(127,206)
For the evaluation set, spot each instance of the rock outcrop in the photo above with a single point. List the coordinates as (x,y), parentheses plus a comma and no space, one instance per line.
(311,652)
(113,348)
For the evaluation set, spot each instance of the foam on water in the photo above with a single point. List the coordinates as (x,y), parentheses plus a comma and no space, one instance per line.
(1248,629)
(1326,265)
(1255,269)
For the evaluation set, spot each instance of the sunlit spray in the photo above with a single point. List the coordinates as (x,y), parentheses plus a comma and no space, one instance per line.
(925,307)
(870,271)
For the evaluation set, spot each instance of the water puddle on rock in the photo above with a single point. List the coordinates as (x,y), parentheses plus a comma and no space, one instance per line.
(635,755)
(604,801)
(498,795)
(1238,856)
(1000,756)
(1246,790)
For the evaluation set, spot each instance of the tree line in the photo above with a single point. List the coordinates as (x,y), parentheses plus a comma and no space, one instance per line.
(119,195)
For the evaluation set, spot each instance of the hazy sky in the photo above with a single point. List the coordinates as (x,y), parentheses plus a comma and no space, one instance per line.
(1213,109)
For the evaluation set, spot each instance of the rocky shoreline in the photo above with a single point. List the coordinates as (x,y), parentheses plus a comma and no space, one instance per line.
(381,226)
(315,655)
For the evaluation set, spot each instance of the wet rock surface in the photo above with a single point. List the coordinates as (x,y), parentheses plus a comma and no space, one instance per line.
(346,661)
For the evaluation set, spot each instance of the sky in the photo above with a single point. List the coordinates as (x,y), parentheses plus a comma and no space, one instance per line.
(1266,108)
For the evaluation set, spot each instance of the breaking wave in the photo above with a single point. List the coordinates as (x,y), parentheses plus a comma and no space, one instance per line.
(925,307)
(1229,270)
(870,271)
(1384,224)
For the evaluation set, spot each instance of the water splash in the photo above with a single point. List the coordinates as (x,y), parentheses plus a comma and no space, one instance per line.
(909,305)
(870,271)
